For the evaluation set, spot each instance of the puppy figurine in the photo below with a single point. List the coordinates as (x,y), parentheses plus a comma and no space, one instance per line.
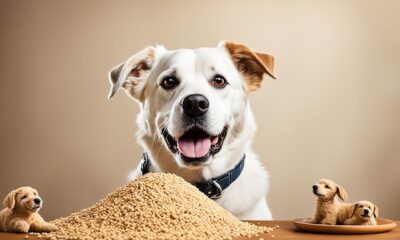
(364,213)
(21,214)
(328,210)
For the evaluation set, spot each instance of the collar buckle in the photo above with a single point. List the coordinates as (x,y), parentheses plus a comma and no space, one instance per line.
(217,190)
(213,187)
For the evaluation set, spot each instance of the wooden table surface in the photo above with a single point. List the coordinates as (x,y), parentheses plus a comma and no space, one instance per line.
(286,231)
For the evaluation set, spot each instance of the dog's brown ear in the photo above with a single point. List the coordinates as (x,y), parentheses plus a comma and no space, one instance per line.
(341,193)
(376,211)
(9,201)
(132,74)
(353,209)
(252,65)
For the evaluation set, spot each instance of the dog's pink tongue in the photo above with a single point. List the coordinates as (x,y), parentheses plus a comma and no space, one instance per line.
(194,148)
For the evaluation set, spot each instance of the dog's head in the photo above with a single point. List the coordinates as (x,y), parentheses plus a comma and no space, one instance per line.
(194,100)
(365,210)
(326,190)
(24,199)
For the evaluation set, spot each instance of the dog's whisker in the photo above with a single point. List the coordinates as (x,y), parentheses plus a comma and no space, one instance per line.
(159,126)
(153,139)
(158,151)
(155,132)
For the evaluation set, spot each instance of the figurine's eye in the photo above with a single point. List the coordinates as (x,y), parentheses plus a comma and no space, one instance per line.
(169,82)
(219,81)
(326,186)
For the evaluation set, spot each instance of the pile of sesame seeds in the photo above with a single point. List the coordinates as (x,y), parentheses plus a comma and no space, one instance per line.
(155,206)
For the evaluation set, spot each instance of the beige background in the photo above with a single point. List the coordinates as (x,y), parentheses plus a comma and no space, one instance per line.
(334,112)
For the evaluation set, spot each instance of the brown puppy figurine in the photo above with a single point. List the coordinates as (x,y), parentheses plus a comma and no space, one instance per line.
(328,210)
(21,214)
(364,213)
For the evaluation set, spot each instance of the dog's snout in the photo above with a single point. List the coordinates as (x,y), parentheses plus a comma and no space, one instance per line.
(195,105)
(37,200)
(314,187)
(366,211)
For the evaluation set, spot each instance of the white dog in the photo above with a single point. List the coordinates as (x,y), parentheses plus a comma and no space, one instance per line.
(196,122)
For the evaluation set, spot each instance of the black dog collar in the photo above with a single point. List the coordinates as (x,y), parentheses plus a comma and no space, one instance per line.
(212,188)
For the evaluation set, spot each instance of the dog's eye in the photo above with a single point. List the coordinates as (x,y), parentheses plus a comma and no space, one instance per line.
(169,82)
(219,81)
(326,186)
(25,196)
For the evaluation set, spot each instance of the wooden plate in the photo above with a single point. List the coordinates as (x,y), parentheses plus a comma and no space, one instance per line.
(384,225)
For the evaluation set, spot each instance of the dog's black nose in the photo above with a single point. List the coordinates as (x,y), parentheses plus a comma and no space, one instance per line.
(195,105)
(366,211)
(37,200)
(314,187)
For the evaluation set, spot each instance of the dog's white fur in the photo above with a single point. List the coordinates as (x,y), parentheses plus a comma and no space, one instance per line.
(243,68)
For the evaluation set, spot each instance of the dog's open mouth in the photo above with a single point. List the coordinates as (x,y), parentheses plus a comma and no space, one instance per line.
(195,145)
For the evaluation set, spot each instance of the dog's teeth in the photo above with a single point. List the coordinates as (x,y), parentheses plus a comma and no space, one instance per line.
(214,140)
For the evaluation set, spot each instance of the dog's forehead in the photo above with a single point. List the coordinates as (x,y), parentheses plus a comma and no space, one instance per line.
(365,203)
(177,56)
(215,55)
(25,190)
(195,59)
(326,181)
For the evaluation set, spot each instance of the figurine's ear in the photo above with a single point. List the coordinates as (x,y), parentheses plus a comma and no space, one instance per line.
(353,209)
(341,193)
(376,211)
(9,201)
(252,65)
